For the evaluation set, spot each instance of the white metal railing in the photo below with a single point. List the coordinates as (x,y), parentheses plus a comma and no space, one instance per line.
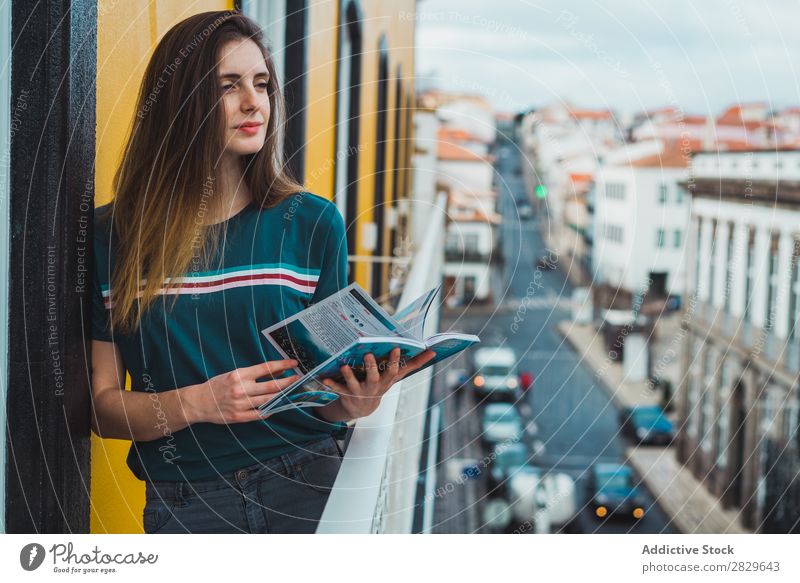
(377,481)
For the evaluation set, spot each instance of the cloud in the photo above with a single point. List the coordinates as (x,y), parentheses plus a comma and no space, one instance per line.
(623,53)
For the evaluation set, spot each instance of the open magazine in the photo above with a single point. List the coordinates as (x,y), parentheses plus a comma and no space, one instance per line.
(342,329)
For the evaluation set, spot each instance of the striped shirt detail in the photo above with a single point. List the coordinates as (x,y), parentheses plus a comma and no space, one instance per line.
(299,279)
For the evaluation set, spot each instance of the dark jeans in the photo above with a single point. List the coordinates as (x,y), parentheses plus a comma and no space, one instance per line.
(285,494)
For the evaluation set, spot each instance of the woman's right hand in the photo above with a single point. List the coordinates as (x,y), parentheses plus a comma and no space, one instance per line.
(234,397)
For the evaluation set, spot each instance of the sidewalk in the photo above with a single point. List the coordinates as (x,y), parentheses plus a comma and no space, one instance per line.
(588,343)
(691,508)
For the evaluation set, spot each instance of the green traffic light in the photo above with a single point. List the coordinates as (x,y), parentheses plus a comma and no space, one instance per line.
(541,191)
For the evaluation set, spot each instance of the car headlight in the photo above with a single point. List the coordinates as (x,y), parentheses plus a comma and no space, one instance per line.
(479,381)
(511,383)
(602,499)
(641,432)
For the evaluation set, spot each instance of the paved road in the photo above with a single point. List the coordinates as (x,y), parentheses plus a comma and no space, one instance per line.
(576,422)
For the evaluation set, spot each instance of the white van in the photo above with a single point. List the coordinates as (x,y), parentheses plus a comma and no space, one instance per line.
(495,372)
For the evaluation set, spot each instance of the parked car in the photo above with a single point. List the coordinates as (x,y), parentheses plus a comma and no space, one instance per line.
(612,491)
(495,373)
(501,422)
(647,424)
(508,458)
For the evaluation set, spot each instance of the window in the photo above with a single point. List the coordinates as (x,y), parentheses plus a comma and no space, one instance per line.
(711,262)
(722,426)
(794,293)
(660,238)
(750,274)
(707,402)
(729,269)
(772,284)
(471,241)
(615,191)
(697,252)
(790,419)
(693,386)
(612,232)
(679,195)
(662,194)
(678,238)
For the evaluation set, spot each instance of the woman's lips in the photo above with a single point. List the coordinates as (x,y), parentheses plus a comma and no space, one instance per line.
(250,130)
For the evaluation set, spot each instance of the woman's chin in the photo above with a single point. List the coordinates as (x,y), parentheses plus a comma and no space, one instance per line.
(245,147)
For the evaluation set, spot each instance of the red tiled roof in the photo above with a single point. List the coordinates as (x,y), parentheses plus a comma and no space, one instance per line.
(591,114)
(458,135)
(451,151)
(672,157)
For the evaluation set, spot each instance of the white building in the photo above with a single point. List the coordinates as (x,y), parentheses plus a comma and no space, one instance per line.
(641,215)
(426,174)
(739,399)
(563,144)
(465,170)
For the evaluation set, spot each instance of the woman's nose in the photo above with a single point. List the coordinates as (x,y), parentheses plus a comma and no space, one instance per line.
(248,100)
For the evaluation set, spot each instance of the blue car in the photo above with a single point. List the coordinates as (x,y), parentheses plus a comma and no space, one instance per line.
(647,425)
(612,492)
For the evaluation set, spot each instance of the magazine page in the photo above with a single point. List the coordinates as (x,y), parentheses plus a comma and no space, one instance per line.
(312,393)
(412,317)
(329,327)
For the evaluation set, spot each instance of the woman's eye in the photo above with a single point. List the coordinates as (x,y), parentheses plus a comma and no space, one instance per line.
(263,85)
(226,87)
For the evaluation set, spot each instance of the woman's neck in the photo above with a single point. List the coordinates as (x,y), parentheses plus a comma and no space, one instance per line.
(231,189)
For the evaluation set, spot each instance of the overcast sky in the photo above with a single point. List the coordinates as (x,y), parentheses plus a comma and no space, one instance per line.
(628,55)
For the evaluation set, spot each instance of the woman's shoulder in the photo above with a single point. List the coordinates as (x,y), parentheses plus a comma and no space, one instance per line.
(308,207)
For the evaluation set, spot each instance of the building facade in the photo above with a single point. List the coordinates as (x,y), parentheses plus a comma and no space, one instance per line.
(739,397)
(640,218)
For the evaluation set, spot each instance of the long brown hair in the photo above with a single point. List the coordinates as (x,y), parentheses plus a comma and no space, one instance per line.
(166,179)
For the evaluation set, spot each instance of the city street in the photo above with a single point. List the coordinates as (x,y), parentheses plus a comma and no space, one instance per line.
(575,423)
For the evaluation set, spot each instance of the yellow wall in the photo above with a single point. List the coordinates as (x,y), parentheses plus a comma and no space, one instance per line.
(379,17)
(127,33)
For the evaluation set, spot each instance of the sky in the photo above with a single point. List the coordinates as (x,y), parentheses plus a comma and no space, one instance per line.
(628,55)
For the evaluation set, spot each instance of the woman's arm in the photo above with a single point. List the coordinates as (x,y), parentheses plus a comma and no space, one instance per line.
(232,397)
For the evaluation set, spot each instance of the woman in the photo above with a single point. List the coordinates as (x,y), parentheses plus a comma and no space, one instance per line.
(207,242)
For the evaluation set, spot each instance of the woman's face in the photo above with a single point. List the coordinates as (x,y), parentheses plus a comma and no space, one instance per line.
(242,76)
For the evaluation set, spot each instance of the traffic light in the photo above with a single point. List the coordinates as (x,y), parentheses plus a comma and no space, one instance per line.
(541,191)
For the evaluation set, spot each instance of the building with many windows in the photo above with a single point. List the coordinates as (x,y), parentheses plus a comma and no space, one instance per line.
(739,397)
(640,218)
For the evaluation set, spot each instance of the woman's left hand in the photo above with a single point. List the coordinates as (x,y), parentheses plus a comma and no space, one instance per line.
(360,398)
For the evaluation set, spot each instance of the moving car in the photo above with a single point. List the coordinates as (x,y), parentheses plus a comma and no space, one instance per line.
(495,373)
(501,422)
(611,491)
(647,424)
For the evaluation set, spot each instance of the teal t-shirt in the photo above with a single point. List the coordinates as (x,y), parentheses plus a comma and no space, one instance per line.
(270,264)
